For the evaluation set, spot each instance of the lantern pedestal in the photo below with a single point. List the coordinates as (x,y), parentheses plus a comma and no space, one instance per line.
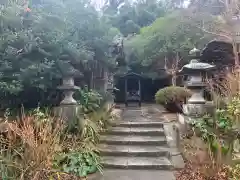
(196,103)
(67,112)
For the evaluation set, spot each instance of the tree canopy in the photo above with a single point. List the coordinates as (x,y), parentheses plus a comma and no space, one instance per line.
(130,17)
(51,35)
(173,33)
(42,40)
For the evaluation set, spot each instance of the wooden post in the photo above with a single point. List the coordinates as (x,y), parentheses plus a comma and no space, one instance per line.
(139,87)
(126,103)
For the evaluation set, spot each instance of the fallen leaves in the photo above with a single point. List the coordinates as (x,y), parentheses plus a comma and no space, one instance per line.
(198,165)
(194,172)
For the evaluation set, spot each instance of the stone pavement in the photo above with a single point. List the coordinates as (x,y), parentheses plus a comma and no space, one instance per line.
(136,148)
(137,175)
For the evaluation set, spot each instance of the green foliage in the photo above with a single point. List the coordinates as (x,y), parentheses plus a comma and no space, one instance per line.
(96,122)
(176,32)
(91,131)
(102,117)
(87,127)
(172,94)
(130,17)
(86,159)
(78,163)
(55,38)
(219,130)
(233,110)
(212,132)
(90,100)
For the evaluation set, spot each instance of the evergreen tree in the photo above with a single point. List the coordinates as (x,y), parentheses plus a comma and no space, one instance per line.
(42,40)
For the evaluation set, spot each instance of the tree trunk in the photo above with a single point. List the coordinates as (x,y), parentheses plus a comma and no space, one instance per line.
(174,80)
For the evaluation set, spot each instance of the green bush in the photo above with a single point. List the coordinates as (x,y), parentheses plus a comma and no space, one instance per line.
(90,100)
(172,94)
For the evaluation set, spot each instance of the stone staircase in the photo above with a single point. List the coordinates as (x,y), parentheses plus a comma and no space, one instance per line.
(135,143)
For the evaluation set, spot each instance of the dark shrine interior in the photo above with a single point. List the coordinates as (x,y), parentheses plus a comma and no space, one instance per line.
(149,87)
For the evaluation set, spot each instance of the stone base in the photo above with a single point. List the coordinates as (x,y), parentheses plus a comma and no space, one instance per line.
(182,123)
(173,139)
(198,110)
(67,112)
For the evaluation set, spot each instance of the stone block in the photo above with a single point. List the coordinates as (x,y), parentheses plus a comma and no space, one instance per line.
(177,161)
(67,112)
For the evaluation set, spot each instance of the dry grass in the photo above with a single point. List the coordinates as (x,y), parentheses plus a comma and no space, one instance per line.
(232,83)
(52,175)
(28,146)
(225,88)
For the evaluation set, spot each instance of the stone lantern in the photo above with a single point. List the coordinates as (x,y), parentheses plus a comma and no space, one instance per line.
(68,108)
(196,72)
(68,89)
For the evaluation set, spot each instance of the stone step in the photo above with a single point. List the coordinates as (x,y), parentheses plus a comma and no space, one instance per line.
(128,174)
(132,140)
(151,131)
(136,151)
(153,163)
(145,124)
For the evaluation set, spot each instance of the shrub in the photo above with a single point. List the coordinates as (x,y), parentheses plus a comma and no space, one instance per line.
(102,117)
(90,100)
(172,95)
(89,125)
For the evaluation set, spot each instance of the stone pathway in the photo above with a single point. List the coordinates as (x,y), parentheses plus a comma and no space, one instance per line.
(136,149)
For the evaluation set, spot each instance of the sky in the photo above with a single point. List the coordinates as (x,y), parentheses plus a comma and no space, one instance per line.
(100,3)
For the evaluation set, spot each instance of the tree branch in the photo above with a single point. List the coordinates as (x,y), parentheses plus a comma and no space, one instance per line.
(216,34)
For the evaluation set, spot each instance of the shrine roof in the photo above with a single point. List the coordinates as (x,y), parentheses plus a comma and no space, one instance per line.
(132,74)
